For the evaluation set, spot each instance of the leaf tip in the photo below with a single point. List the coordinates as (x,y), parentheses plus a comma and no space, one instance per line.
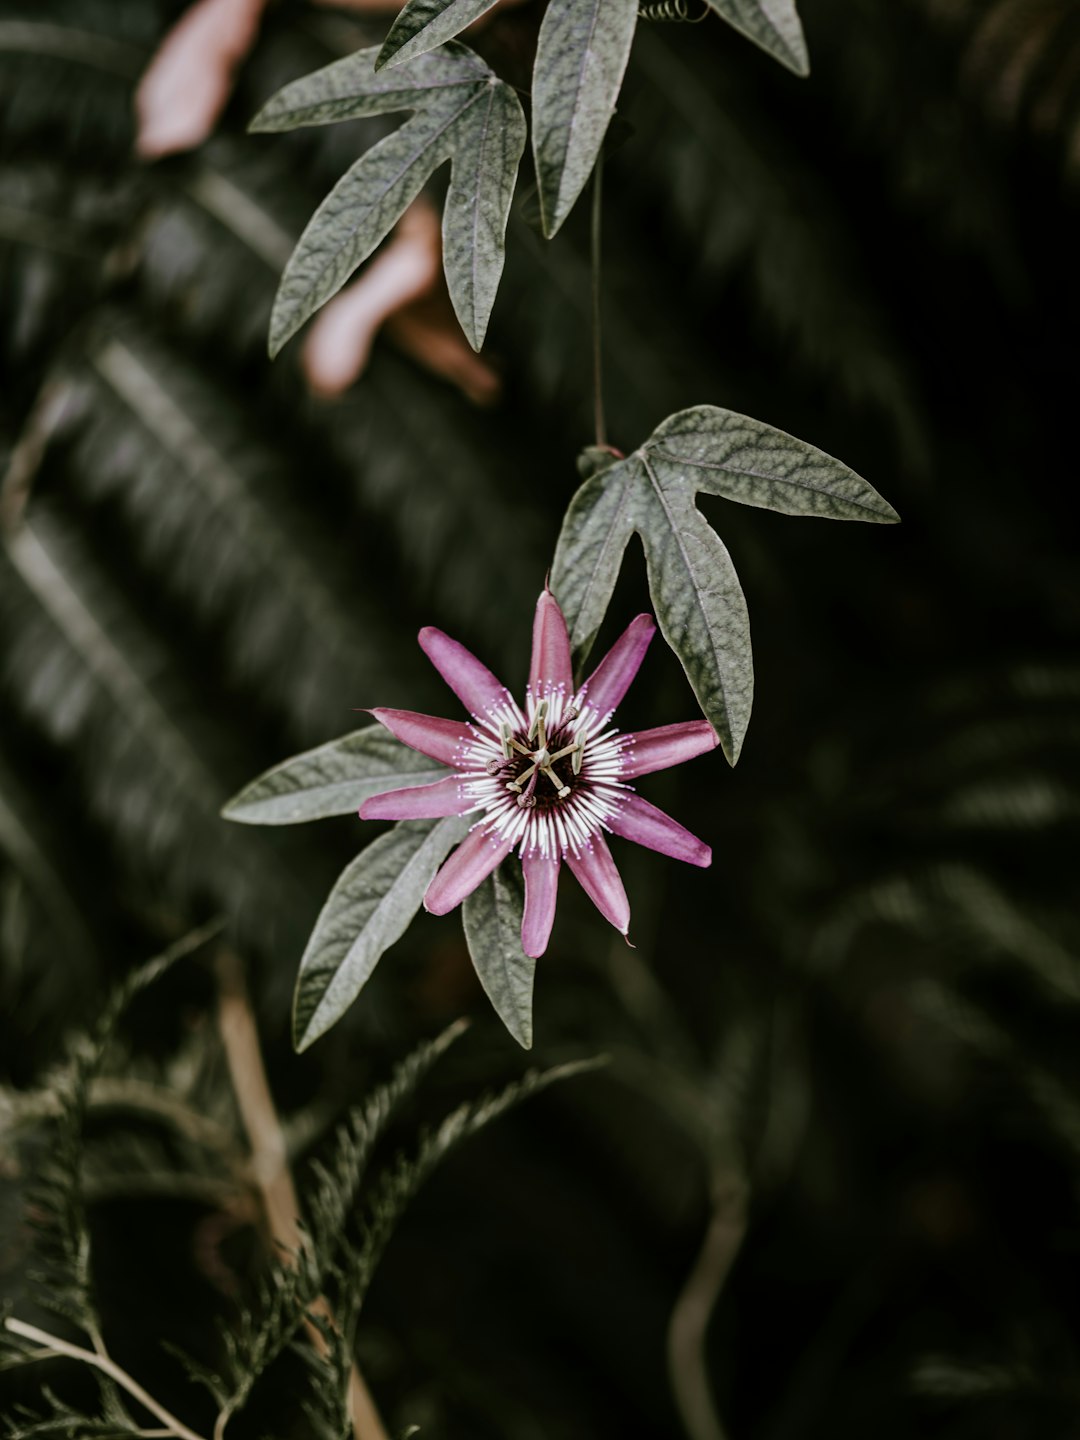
(731,743)
(281,332)
(550,224)
(262,122)
(522,1034)
(304,1033)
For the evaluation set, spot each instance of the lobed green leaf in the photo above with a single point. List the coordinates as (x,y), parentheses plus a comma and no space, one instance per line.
(699,602)
(465,114)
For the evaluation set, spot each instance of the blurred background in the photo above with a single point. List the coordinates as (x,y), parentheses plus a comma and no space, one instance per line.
(828,1185)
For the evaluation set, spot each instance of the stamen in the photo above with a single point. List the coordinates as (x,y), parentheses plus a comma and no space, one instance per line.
(578,757)
(516,784)
(506,738)
(564,790)
(537,726)
(566,750)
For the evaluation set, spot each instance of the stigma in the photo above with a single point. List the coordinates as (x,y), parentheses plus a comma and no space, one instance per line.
(535,754)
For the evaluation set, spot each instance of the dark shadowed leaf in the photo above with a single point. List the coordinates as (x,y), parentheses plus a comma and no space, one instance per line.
(332,779)
(492,919)
(699,602)
(772,24)
(581,58)
(369,908)
(464,114)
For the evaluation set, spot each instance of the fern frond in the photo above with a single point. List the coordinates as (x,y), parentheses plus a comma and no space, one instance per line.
(712,157)
(942,1377)
(215,515)
(66,74)
(55,238)
(459,499)
(393,1191)
(64,1422)
(28,850)
(328,1369)
(56,1199)
(1022,59)
(292,1286)
(89,675)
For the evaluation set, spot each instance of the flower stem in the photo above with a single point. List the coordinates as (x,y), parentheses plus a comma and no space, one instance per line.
(102,1361)
(269,1164)
(599,423)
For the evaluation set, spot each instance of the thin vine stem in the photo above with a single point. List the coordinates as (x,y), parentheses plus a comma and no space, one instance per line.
(104,1362)
(599,422)
(688,1327)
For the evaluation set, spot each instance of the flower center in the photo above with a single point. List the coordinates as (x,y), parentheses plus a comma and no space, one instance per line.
(541,769)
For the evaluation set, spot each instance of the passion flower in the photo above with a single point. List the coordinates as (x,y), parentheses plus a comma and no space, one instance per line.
(545,780)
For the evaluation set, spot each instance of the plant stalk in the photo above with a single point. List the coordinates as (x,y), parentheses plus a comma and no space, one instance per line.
(688,1327)
(269,1163)
(599,422)
(102,1361)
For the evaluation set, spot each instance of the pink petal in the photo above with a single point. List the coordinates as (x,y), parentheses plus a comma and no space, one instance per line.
(550,650)
(611,679)
(598,877)
(443,740)
(472,682)
(643,823)
(473,861)
(187,83)
(418,802)
(541,888)
(668,745)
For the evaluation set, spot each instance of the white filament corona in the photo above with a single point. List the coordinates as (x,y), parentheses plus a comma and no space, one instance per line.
(575,813)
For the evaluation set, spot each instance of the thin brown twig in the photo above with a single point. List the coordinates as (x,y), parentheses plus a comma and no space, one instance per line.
(269,1163)
(689,1323)
(102,1361)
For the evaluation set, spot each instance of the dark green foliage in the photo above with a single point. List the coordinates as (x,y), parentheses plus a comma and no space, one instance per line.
(349,1226)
